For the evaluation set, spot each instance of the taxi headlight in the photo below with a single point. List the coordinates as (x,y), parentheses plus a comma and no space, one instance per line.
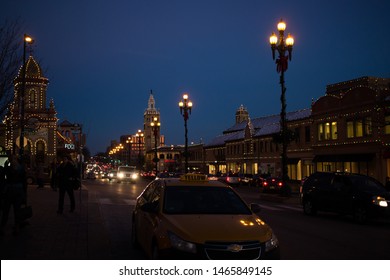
(272,243)
(121,175)
(180,244)
(380,201)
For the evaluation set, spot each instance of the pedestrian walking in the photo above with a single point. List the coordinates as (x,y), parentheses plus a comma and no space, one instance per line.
(53,175)
(15,186)
(66,174)
(2,188)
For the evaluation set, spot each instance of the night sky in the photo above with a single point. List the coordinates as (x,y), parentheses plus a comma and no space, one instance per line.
(102,58)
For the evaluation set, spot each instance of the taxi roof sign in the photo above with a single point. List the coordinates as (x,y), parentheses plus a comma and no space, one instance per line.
(194,177)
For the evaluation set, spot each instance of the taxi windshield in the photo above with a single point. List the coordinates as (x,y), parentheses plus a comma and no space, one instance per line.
(203,200)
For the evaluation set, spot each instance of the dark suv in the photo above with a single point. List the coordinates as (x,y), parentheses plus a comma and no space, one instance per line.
(344,193)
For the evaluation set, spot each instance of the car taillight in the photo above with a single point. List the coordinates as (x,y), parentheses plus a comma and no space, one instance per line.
(280,184)
(265,183)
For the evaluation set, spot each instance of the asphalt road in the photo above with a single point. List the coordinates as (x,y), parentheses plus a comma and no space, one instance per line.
(301,237)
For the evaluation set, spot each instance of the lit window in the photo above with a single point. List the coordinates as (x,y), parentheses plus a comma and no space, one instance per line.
(321,133)
(327,131)
(334,130)
(350,133)
(387,124)
(359,128)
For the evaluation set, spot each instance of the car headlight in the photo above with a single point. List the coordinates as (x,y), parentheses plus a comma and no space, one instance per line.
(180,244)
(121,175)
(134,176)
(272,243)
(380,201)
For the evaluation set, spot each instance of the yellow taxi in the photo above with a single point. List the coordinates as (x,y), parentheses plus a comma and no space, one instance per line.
(192,217)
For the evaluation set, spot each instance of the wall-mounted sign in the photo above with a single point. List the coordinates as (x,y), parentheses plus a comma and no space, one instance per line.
(69,146)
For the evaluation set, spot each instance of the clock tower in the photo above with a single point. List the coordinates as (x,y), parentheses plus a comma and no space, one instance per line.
(151,134)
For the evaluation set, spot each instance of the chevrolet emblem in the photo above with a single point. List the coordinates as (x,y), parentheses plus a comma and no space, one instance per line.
(234,248)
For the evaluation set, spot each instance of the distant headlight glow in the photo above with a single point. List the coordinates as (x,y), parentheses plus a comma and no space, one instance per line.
(380,201)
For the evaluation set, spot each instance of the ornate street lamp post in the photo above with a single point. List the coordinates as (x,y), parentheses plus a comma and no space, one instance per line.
(139,134)
(26,40)
(185,109)
(155,124)
(285,45)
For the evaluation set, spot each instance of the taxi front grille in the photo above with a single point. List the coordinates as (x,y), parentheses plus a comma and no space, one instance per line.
(249,250)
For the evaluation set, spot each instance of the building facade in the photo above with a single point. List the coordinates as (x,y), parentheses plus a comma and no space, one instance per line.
(347,129)
(151,133)
(40,121)
(351,128)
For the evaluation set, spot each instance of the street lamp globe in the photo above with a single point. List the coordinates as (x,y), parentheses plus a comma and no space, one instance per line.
(281,25)
(273,39)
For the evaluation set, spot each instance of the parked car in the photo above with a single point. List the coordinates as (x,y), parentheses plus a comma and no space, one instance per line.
(272,184)
(192,217)
(257,180)
(230,179)
(358,195)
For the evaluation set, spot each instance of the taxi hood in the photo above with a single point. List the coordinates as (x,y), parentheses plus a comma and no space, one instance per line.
(201,228)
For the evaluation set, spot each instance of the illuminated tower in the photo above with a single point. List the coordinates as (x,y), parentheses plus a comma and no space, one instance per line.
(150,113)
(40,121)
(242,115)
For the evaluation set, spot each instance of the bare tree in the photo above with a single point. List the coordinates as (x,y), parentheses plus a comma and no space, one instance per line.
(11,43)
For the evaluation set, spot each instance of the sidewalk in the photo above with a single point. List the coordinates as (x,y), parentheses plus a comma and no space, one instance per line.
(48,236)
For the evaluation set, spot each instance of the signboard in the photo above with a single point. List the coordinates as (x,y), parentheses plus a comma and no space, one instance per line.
(69,146)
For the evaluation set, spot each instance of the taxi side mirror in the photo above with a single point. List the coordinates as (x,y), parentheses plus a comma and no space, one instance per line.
(256,208)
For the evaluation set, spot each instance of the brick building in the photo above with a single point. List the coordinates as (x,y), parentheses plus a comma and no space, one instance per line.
(347,129)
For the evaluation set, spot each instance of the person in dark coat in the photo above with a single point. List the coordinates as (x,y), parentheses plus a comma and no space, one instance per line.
(2,188)
(66,174)
(15,184)
(53,175)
